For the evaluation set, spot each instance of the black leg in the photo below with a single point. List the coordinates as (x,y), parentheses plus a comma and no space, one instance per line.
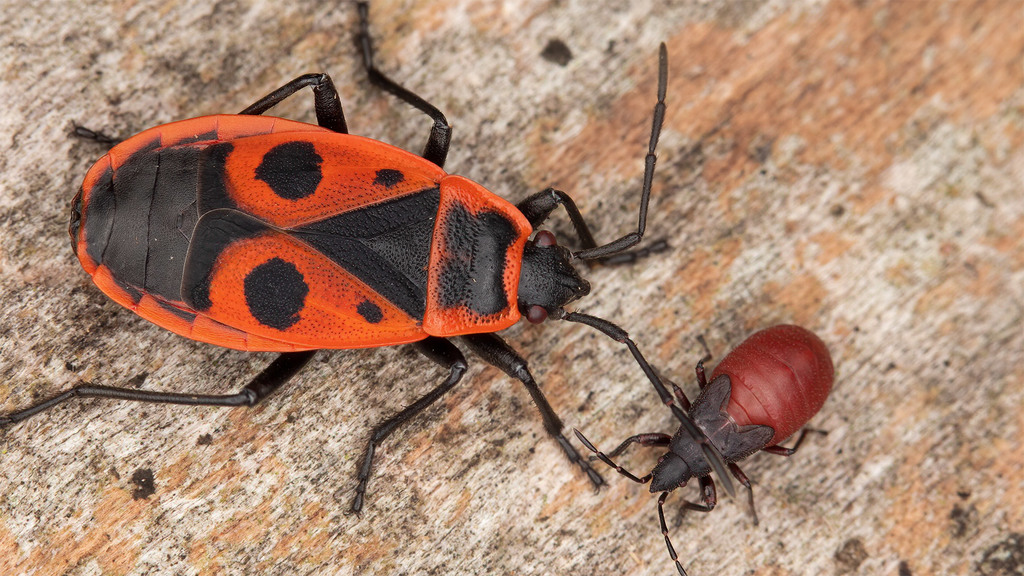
(746,484)
(780,451)
(271,378)
(498,353)
(607,460)
(645,439)
(539,206)
(325,100)
(664,532)
(448,356)
(708,496)
(441,133)
(99,137)
(633,256)
(702,379)
(711,454)
(653,440)
(677,391)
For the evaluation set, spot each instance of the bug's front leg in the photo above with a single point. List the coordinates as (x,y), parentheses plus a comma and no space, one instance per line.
(498,353)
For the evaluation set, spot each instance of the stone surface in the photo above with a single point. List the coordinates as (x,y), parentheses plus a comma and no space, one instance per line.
(854,167)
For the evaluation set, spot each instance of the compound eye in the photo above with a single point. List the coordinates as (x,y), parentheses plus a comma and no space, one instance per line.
(536,314)
(544,238)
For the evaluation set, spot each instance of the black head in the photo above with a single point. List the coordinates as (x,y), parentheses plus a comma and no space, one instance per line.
(548,279)
(684,460)
(670,473)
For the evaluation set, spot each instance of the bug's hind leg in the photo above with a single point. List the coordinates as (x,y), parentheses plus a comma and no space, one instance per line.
(498,353)
(271,378)
(326,101)
(98,137)
(441,133)
(780,451)
(448,356)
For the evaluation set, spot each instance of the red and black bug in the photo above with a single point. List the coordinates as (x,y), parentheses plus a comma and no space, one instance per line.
(762,392)
(263,234)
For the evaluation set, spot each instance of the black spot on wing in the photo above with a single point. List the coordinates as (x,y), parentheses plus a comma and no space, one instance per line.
(275,293)
(370,312)
(389,177)
(292,169)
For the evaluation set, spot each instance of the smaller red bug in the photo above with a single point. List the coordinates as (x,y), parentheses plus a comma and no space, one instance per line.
(759,394)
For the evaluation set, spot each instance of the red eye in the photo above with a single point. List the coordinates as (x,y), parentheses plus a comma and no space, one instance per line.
(537,314)
(544,238)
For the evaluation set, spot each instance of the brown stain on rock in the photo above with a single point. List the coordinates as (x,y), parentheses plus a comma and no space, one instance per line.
(701,279)
(9,551)
(370,551)
(823,248)
(309,540)
(110,541)
(305,541)
(802,297)
(458,514)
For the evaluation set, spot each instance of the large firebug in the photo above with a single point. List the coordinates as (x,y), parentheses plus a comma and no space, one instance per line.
(263,234)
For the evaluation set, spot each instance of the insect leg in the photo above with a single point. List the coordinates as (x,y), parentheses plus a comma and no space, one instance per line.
(326,101)
(707,495)
(632,256)
(780,451)
(746,484)
(98,137)
(440,351)
(664,532)
(677,391)
(646,439)
(607,460)
(498,353)
(271,378)
(441,133)
(633,238)
(711,454)
(537,207)
(702,379)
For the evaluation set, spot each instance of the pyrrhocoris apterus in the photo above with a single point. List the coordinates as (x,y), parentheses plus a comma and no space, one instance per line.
(264,234)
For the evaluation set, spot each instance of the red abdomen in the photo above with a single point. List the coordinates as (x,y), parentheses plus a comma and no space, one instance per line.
(780,378)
